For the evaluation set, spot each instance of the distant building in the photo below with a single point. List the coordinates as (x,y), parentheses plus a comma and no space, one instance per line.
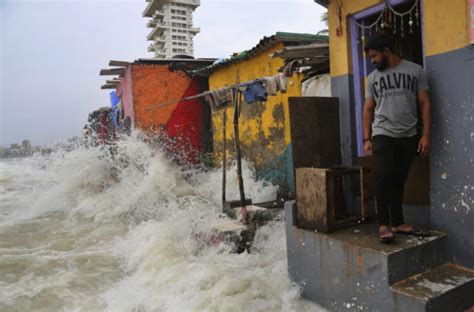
(26,145)
(172,27)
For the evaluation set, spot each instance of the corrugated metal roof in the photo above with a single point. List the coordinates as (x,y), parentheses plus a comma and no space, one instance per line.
(314,50)
(264,44)
(314,58)
(182,64)
(324,3)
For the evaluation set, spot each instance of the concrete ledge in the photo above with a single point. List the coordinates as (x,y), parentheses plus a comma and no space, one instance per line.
(350,269)
(445,288)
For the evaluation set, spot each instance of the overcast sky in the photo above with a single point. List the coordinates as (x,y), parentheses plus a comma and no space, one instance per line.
(51,52)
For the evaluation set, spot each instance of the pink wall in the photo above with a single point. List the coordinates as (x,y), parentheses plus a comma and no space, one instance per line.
(124,91)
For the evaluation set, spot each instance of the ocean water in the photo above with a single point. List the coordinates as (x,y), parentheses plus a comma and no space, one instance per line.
(80,231)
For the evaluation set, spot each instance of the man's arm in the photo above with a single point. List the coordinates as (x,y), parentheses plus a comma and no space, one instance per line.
(424,146)
(367,118)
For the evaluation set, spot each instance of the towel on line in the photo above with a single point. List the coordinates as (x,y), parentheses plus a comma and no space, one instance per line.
(255,92)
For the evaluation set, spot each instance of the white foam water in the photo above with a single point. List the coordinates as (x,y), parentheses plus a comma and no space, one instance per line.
(82,231)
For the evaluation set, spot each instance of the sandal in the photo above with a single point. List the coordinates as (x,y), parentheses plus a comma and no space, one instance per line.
(385,234)
(415,231)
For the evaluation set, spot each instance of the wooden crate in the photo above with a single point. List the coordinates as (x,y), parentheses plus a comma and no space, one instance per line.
(330,199)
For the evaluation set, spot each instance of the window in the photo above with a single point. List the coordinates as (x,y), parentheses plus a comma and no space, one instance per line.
(181,25)
(178,18)
(174,37)
(180,12)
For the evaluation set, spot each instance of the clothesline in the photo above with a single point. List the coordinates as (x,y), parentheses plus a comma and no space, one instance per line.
(177,101)
(193,97)
(286,72)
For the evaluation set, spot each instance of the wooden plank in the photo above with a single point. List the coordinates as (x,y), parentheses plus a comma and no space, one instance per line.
(119,63)
(115,82)
(311,199)
(315,133)
(111,71)
(108,86)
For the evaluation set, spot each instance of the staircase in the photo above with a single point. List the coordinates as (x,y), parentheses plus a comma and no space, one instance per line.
(349,270)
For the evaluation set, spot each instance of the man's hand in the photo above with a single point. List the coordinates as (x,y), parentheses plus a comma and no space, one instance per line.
(368,148)
(424,146)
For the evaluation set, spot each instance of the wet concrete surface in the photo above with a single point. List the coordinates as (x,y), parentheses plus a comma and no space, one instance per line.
(445,288)
(366,236)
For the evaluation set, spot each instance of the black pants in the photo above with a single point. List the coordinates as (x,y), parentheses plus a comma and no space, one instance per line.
(393,160)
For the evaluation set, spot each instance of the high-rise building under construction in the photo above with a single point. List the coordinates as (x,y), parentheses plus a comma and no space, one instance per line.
(172,27)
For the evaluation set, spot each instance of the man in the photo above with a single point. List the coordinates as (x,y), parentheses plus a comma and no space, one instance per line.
(390,130)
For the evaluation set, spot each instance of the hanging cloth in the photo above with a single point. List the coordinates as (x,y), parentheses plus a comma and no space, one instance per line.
(255,92)
(271,85)
(210,100)
(222,96)
(282,82)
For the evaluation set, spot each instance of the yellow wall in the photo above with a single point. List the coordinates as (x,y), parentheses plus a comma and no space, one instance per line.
(264,127)
(339,46)
(446,25)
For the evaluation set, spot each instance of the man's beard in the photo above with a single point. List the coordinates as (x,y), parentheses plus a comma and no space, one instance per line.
(383,65)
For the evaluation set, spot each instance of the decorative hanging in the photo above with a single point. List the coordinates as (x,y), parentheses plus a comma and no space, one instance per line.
(389,20)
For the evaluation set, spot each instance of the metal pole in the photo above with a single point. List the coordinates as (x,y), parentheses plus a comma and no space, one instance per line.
(224,156)
(237,98)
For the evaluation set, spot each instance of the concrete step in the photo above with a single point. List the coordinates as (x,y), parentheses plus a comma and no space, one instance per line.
(405,256)
(445,288)
(350,268)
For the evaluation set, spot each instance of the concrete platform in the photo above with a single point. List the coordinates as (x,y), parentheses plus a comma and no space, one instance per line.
(350,270)
(405,256)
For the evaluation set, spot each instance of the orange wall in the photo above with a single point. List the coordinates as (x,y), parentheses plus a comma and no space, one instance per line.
(156,84)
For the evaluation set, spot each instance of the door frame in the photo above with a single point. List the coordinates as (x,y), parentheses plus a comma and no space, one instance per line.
(359,62)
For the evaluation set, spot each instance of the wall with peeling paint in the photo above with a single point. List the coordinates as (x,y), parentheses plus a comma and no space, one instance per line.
(449,59)
(446,28)
(264,127)
(451,80)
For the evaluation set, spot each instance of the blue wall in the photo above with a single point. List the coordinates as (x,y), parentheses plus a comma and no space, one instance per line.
(451,80)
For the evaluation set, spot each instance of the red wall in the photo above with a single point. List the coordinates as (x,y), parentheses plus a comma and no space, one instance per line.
(185,124)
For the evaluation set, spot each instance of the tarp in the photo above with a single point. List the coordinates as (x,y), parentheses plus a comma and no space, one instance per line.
(114,99)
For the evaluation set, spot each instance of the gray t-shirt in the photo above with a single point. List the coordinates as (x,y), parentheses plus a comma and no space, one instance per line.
(395,92)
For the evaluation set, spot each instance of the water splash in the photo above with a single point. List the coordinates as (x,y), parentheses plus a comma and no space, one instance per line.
(84,231)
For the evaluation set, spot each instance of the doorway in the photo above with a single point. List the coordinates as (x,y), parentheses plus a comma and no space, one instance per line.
(403,20)
(400,18)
